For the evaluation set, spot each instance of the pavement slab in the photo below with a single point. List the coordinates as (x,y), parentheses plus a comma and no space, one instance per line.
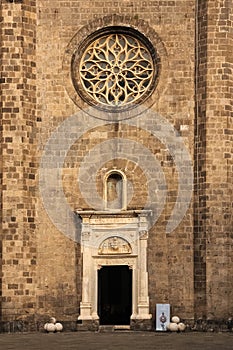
(117,340)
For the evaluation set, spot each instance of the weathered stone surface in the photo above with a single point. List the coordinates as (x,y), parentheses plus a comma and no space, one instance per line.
(41,268)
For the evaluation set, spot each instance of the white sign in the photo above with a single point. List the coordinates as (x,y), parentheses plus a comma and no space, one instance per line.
(162,316)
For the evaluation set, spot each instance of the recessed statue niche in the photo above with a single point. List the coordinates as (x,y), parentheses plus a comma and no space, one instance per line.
(114,191)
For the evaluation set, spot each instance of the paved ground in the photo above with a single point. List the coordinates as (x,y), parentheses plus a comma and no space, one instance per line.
(119,341)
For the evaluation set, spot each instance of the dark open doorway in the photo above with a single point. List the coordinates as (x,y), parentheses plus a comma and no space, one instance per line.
(115,295)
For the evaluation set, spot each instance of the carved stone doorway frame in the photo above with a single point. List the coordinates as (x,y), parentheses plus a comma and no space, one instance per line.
(113,238)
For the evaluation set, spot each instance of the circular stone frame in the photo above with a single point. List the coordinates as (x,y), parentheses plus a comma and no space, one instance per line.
(116,68)
(77,46)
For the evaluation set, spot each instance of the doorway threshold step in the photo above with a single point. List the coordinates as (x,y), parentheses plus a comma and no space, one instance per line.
(122,328)
(106,329)
(112,328)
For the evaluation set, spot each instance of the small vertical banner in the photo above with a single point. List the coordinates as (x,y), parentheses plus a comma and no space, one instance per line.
(162,316)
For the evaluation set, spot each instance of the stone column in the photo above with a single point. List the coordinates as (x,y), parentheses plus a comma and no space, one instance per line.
(143,298)
(134,293)
(95,295)
(85,305)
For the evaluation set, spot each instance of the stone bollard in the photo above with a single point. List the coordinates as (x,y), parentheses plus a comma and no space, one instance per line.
(53,326)
(175,325)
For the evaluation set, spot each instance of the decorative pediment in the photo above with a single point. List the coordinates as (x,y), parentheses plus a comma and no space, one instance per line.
(114,245)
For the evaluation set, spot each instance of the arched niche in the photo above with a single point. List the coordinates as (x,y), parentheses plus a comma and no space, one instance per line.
(115,190)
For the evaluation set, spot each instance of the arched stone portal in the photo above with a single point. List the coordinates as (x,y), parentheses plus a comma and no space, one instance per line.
(115,240)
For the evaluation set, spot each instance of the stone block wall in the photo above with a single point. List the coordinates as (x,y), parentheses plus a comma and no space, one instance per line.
(19,161)
(46,138)
(213,217)
(218,186)
(170,256)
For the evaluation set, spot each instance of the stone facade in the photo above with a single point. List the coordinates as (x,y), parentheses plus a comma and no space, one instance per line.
(50,137)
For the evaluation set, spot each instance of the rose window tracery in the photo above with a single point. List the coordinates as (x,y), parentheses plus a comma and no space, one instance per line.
(116,70)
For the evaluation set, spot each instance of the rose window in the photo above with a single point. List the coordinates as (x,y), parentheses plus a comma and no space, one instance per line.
(115,71)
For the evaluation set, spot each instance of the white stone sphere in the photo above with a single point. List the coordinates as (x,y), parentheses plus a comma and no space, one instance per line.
(52,320)
(168,326)
(173,327)
(175,319)
(45,326)
(181,326)
(59,327)
(50,327)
